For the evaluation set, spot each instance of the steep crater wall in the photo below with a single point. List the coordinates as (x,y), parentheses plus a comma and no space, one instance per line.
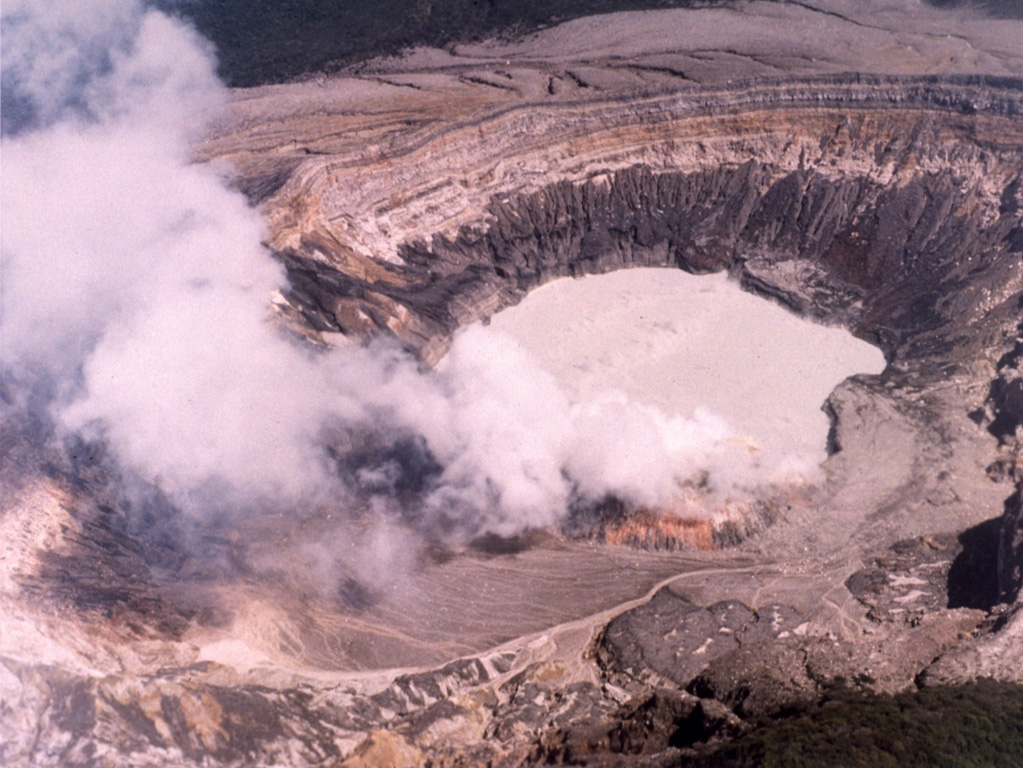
(890,206)
(899,218)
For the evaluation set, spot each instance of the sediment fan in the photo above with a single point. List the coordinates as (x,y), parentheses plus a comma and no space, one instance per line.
(423,194)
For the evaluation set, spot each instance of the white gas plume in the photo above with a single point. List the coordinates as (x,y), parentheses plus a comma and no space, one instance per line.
(136,279)
(136,282)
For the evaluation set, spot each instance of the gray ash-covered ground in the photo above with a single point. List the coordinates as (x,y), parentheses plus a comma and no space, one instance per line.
(278,42)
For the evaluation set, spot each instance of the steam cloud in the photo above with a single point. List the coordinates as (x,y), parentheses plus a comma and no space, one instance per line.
(135,283)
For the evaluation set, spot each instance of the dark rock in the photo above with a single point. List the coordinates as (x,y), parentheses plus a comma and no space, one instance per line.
(709,719)
(773,621)
(669,636)
(973,578)
(724,651)
(1010,549)
(649,723)
(926,573)
(1006,396)
(754,681)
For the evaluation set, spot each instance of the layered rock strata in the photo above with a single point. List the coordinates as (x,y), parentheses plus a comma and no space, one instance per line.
(824,173)
(889,206)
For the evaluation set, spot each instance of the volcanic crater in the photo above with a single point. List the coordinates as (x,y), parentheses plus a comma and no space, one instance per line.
(411,197)
(888,206)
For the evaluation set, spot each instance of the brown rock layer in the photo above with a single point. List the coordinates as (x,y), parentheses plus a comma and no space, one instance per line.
(856,185)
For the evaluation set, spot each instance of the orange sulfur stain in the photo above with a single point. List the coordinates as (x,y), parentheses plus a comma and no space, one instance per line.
(646,528)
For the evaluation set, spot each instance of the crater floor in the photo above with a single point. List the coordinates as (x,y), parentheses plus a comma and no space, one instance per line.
(682,343)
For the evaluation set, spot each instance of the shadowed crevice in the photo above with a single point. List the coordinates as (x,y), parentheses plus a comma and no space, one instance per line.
(973,577)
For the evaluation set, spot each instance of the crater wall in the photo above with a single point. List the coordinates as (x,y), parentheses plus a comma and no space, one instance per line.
(890,206)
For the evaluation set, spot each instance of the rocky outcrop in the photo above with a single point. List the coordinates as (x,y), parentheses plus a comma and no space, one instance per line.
(853,190)
(707,651)
(1006,409)
(1010,549)
(762,662)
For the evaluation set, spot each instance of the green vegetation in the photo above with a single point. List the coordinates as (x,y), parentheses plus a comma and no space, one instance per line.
(263,41)
(970,726)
